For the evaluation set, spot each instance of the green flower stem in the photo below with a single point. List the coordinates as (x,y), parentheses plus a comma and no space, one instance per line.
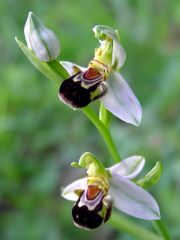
(161,228)
(124,224)
(103,130)
(104,115)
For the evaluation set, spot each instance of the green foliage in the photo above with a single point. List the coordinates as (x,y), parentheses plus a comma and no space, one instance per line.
(39,136)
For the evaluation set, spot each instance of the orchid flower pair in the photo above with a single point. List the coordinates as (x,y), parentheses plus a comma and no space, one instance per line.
(95,194)
(101,189)
(88,84)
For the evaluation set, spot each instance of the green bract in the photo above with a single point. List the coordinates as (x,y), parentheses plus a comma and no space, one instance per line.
(152,177)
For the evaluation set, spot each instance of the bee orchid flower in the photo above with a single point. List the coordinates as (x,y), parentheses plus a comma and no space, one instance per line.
(96,194)
(100,79)
(88,84)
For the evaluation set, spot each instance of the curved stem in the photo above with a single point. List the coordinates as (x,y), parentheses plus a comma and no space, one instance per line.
(104,115)
(104,133)
(124,224)
(161,228)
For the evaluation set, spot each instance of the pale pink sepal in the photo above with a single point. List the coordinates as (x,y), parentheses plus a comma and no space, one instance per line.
(121,101)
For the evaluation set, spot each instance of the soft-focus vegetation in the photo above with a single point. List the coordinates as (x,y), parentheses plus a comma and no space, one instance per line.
(39,136)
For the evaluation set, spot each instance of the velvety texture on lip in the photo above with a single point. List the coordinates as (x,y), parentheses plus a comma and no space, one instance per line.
(91,74)
(73,94)
(85,218)
(92,192)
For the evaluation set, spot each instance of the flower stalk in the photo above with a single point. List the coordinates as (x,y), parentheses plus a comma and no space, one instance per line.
(124,224)
(162,229)
(104,115)
(104,132)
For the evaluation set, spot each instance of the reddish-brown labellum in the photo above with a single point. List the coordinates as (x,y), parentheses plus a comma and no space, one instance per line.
(92,192)
(82,88)
(92,208)
(91,74)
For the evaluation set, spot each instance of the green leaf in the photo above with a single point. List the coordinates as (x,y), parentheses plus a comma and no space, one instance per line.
(152,177)
(52,70)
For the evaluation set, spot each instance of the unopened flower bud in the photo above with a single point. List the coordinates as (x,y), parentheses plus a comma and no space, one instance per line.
(40,39)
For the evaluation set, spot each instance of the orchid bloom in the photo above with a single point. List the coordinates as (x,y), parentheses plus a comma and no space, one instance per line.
(96,194)
(88,84)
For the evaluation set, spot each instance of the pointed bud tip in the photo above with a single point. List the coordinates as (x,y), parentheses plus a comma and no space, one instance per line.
(30,14)
(30,17)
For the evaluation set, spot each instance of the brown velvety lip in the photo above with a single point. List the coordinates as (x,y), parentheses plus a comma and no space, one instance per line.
(92,192)
(91,74)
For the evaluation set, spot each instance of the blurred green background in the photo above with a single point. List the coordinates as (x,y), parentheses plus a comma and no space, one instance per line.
(40,137)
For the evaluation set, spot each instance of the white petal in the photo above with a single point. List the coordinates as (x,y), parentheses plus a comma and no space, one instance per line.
(119,55)
(129,167)
(121,101)
(69,66)
(132,199)
(69,191)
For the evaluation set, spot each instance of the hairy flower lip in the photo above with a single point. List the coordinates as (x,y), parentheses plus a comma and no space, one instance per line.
(127,196)
(78,91)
